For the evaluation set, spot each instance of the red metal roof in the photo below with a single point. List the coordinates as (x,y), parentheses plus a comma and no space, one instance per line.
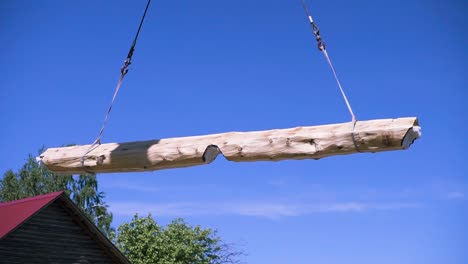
(14,213)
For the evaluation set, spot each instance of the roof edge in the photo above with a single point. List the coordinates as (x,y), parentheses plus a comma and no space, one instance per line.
(94,231)
(33,198)
(51,196)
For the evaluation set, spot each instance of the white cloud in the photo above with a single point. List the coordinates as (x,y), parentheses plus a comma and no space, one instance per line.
(273,208)
(139,188)
(258,209)
(148,188)
(455,195)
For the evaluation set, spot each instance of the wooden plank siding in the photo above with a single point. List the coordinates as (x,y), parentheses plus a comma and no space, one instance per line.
(53,235)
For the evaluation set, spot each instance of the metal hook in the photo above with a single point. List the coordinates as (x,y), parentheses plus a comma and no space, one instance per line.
(124,68)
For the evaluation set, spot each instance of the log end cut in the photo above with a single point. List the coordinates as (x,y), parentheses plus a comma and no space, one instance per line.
(412,134)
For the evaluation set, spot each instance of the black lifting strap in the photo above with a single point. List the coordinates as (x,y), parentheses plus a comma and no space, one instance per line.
(123,72)
(128,60)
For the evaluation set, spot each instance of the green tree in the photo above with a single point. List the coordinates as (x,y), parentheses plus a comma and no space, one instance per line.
(143,241)
(33,179)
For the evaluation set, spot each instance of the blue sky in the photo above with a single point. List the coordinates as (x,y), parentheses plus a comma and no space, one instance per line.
(208,66)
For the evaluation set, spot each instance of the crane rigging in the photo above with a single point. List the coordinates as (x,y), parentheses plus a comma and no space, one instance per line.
(309,142)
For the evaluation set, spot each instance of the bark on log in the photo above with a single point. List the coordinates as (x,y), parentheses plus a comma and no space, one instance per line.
(312,142)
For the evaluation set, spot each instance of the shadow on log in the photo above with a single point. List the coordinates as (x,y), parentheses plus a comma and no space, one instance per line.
(312,142)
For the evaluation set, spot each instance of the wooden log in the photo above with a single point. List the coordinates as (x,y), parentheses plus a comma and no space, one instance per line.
(312,142)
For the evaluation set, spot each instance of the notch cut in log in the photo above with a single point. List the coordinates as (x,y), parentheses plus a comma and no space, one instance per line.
(311,142)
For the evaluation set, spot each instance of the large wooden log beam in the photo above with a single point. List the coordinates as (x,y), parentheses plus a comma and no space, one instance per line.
(312,142)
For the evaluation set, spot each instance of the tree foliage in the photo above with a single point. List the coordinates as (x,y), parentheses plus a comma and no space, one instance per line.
(33,179)
(143,241)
